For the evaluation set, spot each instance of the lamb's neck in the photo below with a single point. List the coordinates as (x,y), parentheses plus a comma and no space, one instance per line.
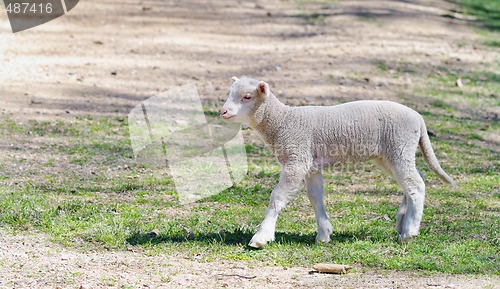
(269,118)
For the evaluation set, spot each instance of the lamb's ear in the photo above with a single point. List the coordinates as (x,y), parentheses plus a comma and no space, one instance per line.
(234,78)
(263,89)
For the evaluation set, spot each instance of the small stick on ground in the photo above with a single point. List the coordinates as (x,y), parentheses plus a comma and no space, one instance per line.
(332,268)
(236,275)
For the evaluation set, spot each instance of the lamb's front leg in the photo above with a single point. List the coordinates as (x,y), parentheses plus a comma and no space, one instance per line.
(315,192)
(290,179)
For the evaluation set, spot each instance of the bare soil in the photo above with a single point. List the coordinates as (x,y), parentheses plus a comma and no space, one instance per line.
(105,57)
(32,261)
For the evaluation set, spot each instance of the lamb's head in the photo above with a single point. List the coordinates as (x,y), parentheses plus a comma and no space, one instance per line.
(245,96)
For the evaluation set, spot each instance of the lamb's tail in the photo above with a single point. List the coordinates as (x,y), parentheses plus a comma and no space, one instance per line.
(430,157)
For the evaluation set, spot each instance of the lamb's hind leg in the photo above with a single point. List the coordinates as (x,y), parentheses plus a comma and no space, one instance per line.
(403,207)
(315,192)
(290,179)
(400,215)
(411,210)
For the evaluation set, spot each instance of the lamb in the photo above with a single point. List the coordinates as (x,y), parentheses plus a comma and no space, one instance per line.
(307,138)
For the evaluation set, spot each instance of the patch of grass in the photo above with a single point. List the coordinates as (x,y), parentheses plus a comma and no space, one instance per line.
(476,95)
(313,18)
(7,125)
(487,11)
(139,207)
(119,206)
(492,42)
(458,234)
(382,66)
(399,68)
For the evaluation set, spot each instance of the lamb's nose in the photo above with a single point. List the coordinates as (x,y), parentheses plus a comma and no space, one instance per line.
(223,112)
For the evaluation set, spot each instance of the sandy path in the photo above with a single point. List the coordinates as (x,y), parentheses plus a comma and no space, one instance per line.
(32,261)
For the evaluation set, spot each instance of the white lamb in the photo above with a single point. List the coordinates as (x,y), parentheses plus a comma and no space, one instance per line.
(307,138)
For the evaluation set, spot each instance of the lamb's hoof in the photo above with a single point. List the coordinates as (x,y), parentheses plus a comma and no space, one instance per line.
(405,238)
(256,245)
(325,229)
(323,239)
(258,241)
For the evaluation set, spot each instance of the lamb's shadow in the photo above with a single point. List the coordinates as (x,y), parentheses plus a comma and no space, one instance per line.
(237,237)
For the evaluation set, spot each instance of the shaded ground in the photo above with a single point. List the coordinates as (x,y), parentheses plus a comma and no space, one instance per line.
(104,57)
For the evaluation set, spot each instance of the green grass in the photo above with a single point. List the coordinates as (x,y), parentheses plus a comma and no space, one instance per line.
(458,234)
(487,11)
(313,18)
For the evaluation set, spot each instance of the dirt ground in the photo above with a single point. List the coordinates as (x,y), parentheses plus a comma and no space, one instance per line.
(32,261)
(105,57)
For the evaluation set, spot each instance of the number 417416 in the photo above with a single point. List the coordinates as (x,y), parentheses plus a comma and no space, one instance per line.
(30,8)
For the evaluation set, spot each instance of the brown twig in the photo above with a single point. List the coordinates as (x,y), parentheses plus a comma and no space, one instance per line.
(236,275)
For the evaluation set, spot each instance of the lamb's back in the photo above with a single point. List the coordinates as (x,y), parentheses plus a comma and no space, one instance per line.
(360,128)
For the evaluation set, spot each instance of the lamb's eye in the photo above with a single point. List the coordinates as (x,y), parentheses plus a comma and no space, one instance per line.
(247,97)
